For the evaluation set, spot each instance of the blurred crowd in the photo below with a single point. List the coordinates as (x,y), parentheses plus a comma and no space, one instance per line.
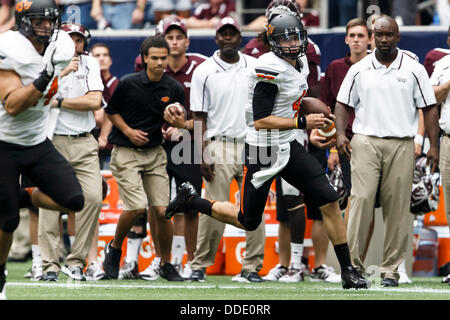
(139,14)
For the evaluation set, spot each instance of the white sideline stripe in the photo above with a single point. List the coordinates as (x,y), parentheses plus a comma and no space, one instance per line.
(79,285)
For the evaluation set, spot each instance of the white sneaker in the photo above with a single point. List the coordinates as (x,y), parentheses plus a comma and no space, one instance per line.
(325,273)
(276,273)
(152,271)
(94,272)
(187,271)
(446,279)
(36,272)
(402,272)
(3,294)
(293,275)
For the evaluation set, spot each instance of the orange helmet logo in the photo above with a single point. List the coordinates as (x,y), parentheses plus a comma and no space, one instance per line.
(269,29)
(23,5)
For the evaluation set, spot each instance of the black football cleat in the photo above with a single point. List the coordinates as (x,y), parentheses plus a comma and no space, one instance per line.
(179,204)
(167,271)
(352,278)
(389,282)
(111,263)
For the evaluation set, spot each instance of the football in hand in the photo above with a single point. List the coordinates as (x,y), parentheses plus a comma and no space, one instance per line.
(178,109)
(314,105)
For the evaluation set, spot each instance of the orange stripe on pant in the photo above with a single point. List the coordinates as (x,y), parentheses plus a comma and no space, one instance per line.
(242,188)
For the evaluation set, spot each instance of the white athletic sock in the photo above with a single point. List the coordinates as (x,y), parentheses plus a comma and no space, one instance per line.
(296,255)
(133,248)
(402,267)
(71,240)
(178,248)
(36,254)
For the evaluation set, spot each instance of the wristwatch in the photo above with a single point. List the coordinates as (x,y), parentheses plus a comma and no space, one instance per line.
(60,100)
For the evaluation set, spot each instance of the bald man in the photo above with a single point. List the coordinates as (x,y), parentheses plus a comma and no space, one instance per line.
(385,89)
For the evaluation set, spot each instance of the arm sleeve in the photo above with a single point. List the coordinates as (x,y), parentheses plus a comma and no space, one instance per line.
(93,79)
(115,104)
(348,94)
(179,96)
(263,99)
(423,91)
(199,98)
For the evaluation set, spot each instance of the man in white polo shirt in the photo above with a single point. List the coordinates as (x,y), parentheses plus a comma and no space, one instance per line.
(79,94)
(386,89)
(218,97)
(440,79)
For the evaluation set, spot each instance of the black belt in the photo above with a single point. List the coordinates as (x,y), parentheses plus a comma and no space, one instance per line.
(80,135)
(228,139)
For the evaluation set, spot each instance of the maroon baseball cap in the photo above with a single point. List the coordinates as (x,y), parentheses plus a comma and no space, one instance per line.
(228,21)
(173,22)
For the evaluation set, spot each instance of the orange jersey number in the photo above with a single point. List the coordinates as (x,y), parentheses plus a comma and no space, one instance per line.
(297,103)
(52,91)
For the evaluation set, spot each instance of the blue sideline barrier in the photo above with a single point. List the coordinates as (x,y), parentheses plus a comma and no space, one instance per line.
(124,49)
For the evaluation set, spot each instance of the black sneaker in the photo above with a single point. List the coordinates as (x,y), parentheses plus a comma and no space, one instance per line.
(50,276)
(198,275)
(74,272)
(179,203)
(168,272)
(112,261)
(389,282)
(247,277)
(352,278)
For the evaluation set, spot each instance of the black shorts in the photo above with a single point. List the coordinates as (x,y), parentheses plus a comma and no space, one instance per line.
(313,211)
(286,202)
(188,170)
(46,168)
(302,171)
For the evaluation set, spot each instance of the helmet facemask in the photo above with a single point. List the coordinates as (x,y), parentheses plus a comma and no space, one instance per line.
(287,37)
(24,23)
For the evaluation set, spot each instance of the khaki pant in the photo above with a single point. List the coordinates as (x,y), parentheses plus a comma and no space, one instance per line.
(390,162)
(444,166)
(228,166)
(141,175)
(82,154)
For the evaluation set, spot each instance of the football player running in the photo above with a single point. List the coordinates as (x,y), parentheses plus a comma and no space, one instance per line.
(30,60)
(271,148)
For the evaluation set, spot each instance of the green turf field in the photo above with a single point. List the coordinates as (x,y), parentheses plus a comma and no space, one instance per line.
(215,288)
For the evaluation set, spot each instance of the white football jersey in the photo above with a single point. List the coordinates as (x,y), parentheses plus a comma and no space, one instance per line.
(292,87)
(18,54)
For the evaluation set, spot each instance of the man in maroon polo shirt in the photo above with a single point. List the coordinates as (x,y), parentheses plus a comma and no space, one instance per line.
(181,66)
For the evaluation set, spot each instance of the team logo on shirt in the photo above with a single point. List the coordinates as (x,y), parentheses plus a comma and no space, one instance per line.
(403,80)
(165,99)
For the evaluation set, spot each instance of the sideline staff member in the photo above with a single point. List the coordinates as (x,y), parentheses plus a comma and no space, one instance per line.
(138,161)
